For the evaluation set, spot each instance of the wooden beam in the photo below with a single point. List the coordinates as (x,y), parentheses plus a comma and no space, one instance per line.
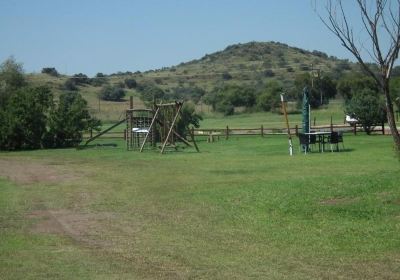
(171,127)
(150,128)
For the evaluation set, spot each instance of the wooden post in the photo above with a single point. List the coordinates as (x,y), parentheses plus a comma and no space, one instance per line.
(383,128)
(130,102)
(262,131)
(355,129)
(296,129)
(331,124)
(315,120)
(227,133)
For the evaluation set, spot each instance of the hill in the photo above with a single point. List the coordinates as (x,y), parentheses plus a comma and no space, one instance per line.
(242,64)
(248,63)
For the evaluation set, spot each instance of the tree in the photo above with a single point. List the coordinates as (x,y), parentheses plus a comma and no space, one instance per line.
(321,89)
(367,108)
(11,78)
(24,120)
(50,71)
(130,83)
(68,120)
(269,98)
(188,117)
(381,29)
(70,85)
(112,93)
(150,93)
(349,85)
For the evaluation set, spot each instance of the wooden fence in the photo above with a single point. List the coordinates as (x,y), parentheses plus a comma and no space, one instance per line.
(212,134)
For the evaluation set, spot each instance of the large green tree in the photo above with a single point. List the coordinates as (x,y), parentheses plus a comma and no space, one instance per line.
(68,119)
(367,107)
(29,117)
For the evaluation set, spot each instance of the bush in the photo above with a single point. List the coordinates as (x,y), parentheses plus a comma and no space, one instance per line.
(23,122)
(226,108)
(130,83)
(30,119)
(70,85)
(269,73)
(98,81)
(150,93)
(68,120)
(111,93)
(188,117)
(226,76)
(269,98)
(81,79)
(50,71)
(367,108)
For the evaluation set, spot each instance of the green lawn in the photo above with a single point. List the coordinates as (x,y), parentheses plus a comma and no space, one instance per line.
(274,120)
(240,209)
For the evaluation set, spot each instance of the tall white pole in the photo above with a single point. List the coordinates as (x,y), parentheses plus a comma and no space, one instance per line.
(287,124)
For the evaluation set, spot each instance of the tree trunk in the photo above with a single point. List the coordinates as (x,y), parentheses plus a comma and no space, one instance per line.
(391,118)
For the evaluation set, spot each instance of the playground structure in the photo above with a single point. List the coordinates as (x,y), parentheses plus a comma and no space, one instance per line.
(147,127)
(138,122)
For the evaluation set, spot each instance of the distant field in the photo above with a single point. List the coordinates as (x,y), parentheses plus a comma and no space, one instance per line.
(240,209)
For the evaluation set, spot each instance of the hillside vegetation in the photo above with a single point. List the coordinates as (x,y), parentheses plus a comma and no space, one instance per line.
(240,64)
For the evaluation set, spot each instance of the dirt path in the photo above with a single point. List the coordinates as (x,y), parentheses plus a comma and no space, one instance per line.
(28,171)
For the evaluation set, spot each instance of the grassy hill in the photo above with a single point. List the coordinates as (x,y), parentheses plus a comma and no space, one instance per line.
(248,63)
(243,64)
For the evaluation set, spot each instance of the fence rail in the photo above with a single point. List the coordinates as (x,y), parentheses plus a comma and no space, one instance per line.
(227,132)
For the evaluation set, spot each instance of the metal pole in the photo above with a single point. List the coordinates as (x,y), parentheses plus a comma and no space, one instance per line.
(287,124)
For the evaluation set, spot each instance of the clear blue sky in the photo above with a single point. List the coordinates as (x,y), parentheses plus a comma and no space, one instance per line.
(91,36)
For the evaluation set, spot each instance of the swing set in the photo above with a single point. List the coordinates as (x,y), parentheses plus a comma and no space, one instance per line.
(147,127)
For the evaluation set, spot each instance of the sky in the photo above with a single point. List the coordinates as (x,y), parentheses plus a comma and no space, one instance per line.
(107,36)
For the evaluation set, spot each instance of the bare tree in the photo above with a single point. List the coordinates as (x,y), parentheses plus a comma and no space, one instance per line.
(378,40)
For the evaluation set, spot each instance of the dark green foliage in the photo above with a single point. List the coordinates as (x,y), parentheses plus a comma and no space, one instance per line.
(81,79)
(50,71)
(68,120)
(395,91)
(150,93)
(186,93)
(70,85)
(11,78)
(269,97)
(321,89)
(396,72)
(269,73)
(112,93)
(226,76)
(367,108)
(29,118)
(188,118)
(130,83)
(98,81)
(351,84)
(23,124)
(224,99)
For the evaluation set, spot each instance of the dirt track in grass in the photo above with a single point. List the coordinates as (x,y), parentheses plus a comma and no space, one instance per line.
(25,171)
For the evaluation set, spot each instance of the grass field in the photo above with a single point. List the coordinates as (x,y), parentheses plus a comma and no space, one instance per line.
(240,209)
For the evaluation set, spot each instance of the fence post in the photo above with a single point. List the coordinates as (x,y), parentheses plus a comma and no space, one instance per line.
(296,129)
(383,128)
(355,129)
(227,133)
(262,131)
(315,120)
(331,124)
